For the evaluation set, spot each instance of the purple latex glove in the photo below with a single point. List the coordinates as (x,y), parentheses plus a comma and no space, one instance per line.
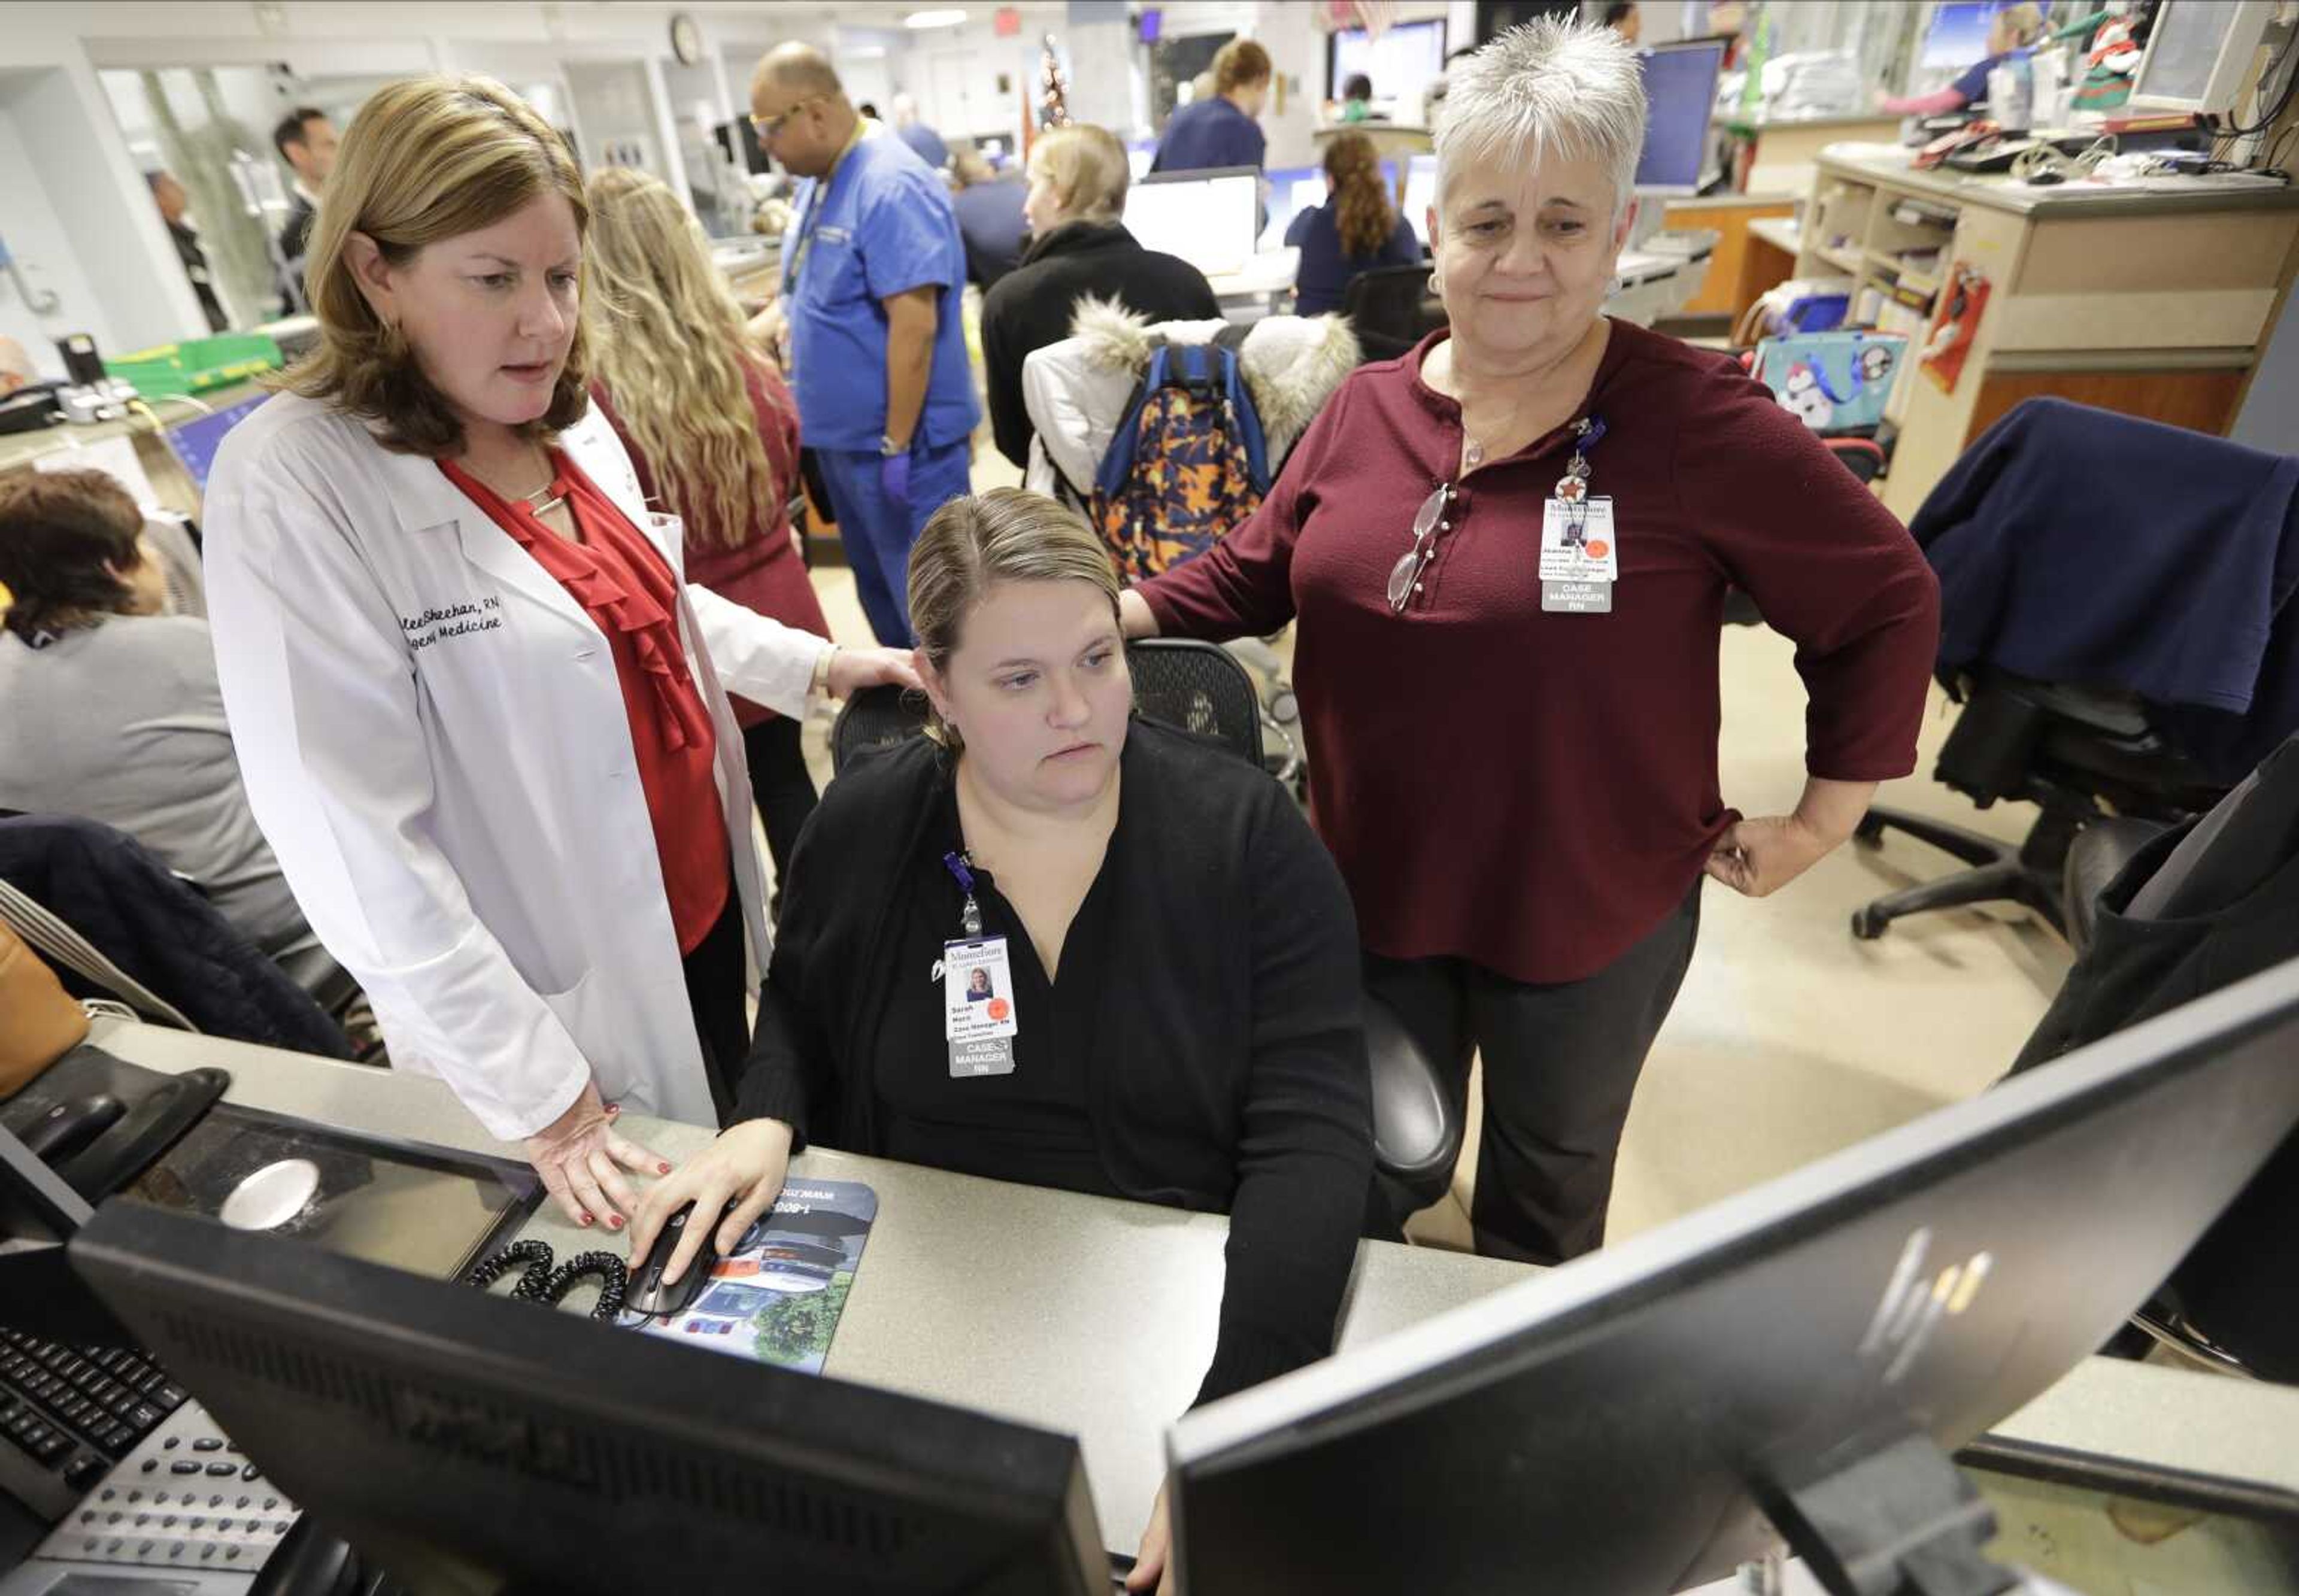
(895,477)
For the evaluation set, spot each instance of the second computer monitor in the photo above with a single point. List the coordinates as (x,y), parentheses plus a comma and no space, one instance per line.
(1622,1425)
(1420,194)
(1207,218)
(1293,189)
(1679,98)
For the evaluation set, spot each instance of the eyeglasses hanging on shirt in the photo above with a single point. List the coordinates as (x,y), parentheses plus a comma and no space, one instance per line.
(1572,521)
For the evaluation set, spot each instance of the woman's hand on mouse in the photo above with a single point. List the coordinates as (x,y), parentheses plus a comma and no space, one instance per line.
(577,1153)
(1152,1564)
(745,1166)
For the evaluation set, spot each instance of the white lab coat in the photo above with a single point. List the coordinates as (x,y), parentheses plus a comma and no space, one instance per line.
(435,741)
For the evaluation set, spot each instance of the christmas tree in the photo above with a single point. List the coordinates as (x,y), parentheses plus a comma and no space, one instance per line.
(1054,90)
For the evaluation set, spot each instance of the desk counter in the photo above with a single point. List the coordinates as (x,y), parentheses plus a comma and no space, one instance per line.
(173,485)
(1097,1318)
(1079,1314)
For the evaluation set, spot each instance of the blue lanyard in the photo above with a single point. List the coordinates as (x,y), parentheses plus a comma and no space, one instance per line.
(970,916)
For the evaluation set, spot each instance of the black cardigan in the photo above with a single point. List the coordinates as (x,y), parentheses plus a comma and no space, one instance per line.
(1229,1066)
(1031,307)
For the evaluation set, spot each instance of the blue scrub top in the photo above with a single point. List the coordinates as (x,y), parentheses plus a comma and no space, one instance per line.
(1323,282)
(885,226)
(926,143)
(1973,85)
(1209,133)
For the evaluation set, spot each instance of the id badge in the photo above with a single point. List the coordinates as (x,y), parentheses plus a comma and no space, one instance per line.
(1579,556)
(977,995)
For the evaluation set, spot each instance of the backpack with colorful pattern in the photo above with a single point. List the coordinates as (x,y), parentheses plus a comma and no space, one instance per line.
(1187,462)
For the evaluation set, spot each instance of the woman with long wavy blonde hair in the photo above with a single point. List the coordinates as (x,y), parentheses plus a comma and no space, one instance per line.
(714,433)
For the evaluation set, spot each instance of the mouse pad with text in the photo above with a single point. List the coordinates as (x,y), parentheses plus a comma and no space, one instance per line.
(777,1296)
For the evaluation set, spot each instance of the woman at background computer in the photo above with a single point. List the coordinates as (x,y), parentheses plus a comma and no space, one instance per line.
(1221,128)
(1354,231)
(1508,553)
(713,435)
(2012,31)
(1177,950)
(1077,246)
(480,718)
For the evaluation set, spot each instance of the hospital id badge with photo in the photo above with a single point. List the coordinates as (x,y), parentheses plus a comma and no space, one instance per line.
(1579,556)
(977,994)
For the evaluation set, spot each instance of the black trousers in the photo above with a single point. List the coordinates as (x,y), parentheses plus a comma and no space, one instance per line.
(715,994)
(782,786)
(1561,1064)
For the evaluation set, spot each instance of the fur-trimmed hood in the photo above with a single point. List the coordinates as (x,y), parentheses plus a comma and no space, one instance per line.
(1076,390)
(1291,364)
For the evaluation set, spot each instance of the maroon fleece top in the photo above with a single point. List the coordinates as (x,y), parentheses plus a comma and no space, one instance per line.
(1535,792)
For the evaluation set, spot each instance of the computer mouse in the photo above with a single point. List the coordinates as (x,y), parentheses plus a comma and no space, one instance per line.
(647,1293)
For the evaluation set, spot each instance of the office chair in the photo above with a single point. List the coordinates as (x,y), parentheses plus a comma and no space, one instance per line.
(1199,688)
(118,924)
(1392,308)
(2161,916)
(1181,682)
(2080,754)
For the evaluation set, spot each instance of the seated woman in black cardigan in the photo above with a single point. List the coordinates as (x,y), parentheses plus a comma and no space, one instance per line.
(1175,1008)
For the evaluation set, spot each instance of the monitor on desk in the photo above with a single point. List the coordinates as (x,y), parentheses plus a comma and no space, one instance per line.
(1956,34)
(1401,63)
(1679,97)
(1625,1422)
(1293,189)
(196,441)
(1420,194)
(1207,218)
(2199,53)
(465,1441)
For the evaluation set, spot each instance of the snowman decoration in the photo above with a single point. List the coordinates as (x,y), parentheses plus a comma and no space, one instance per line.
(1803,397)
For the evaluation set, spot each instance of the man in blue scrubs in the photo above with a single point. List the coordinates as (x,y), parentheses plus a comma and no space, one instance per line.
(1220,130)
(873,266)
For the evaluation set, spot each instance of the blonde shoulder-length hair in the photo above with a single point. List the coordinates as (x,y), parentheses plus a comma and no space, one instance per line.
(669,344)
(425,159)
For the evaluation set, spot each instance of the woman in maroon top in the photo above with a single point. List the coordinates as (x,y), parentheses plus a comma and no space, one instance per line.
(1518,774)
(713,435)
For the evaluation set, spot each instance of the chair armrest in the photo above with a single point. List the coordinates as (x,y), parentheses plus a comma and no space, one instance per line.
(1416,1124)
(2096,857)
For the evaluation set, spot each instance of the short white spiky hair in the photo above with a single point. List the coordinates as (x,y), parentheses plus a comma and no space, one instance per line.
(1548,87)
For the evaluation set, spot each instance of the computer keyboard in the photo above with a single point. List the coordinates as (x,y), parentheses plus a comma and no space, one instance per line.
(184,1500)
(68,1414)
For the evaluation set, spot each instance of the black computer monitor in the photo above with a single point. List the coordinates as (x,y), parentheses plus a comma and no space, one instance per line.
(1679,99)
(39,1213)
(469,1441)
(1627,1422)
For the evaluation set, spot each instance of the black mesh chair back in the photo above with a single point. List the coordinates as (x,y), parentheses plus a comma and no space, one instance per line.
(1191,686)
(1197,688)
(873,719)
(1392,309)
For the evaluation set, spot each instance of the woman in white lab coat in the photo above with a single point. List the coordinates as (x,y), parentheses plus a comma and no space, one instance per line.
(481,717)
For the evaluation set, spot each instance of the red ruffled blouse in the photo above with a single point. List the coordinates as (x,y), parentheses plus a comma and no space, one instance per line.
(631,594)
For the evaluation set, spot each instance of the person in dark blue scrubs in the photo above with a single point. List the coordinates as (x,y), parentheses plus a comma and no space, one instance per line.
(1356,230)
(923,140)
(873,266)
(988,216)
(1220,130)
